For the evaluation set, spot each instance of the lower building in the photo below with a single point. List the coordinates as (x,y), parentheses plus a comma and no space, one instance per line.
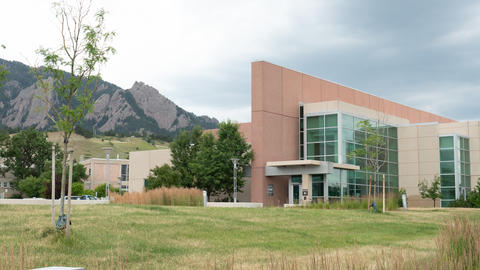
(98,169)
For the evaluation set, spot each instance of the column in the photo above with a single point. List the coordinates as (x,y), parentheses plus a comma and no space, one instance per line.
(306,192)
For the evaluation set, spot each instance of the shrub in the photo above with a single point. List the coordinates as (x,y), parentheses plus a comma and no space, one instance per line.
(32,186)
(162,196)
(472,201)
(77,189)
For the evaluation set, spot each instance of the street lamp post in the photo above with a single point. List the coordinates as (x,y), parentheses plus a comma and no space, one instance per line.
(108,151)
(235,163)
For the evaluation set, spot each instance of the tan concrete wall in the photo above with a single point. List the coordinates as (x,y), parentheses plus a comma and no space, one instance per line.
(418,160)
(337,105)
(98,172)
(141,162)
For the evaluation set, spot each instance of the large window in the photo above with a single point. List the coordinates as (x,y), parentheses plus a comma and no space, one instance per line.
(454,167)
(322,137)
(124,173)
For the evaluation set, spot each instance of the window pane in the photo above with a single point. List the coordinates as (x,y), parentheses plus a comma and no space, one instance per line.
(446,142)
(467,144)
(447,180)
(393,156)
(447,167)
(317,177)
(393,168)
(331,134)
(448,193)
(317,189)
(392,144)
(331,148)
(347,134)
(315,121)
(331,158)
(315,149)
(296,179)
(359,136)
(331,120)
(446,154)
(357,122)
(392,132)
(347,121)
(315,135)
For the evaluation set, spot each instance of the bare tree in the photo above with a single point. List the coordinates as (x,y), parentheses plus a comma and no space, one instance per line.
(70,74)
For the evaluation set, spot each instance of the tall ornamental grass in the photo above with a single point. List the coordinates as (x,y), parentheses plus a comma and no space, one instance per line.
(162,196)
(391,202)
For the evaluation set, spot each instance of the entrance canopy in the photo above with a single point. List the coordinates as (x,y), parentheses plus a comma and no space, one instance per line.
(299,167)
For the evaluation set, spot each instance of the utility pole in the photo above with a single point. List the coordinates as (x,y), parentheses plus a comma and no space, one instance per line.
(235,163)
(53,185)
(108,151)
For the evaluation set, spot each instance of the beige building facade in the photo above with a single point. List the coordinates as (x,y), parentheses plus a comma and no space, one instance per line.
(141,162)
(97,173)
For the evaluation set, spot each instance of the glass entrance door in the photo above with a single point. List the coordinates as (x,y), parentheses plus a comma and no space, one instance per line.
(296,194)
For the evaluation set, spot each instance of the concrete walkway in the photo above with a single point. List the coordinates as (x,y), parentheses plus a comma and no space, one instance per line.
(48,201)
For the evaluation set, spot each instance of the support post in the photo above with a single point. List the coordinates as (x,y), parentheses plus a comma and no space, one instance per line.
(383,208)
(53,185)
(369,191)
(341,187)
(69,206)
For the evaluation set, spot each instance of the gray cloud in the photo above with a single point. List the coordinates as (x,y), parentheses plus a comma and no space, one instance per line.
(420,53)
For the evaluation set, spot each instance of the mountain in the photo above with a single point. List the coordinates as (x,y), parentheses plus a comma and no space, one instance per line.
(128,111)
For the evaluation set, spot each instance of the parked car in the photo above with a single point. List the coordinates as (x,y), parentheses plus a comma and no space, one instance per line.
(88,197)
(73,198)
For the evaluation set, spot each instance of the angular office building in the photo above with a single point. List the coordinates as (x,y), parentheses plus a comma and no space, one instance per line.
(303,129)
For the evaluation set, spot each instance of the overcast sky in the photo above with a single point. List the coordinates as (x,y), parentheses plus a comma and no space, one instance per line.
(424,54)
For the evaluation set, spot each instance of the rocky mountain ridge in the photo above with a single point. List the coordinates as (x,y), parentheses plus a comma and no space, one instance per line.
(138,109)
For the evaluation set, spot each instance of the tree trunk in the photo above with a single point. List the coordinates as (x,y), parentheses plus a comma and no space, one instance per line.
(64,177)
(433,203)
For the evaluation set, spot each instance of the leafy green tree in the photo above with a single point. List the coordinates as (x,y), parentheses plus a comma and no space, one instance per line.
(26,153)
(432,192)
(77,188)
(84,47)
(370,149)
(184,150)
(101,190)
(32,186)
(231,144)
(163,176)
(208,166)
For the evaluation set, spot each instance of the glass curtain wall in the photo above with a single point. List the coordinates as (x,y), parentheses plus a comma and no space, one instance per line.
(325,132)
(352,137)
(454,168)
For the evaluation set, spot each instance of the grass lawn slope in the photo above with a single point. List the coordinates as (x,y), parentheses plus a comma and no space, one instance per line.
(145,237)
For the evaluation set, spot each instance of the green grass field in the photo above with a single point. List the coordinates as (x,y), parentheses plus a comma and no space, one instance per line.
(93,147)
(144,237)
